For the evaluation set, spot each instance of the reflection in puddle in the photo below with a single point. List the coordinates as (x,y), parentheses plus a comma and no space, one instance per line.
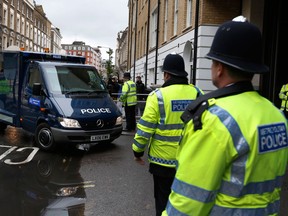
(16,137)
(50,184)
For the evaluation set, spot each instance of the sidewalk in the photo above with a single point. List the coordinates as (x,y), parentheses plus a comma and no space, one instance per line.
(129,133)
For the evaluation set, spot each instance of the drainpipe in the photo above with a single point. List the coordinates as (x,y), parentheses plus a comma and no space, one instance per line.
(135,40)
(147,43)
(130,39)
(157,37)
(129,36)
(195,43)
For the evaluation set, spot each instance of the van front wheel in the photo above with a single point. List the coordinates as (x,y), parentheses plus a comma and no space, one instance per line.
(44,137)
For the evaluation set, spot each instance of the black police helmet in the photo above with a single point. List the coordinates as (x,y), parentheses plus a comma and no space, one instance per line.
(174,64)
(127,75)
(239,45)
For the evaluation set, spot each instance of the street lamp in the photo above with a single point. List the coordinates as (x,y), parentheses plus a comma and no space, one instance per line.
(99,47)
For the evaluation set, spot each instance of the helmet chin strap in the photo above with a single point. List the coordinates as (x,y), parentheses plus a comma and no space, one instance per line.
(167,76)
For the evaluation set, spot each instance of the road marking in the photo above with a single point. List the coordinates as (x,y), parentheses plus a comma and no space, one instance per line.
(13,148)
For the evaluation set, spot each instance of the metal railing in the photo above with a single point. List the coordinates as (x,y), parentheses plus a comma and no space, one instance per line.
(139,107)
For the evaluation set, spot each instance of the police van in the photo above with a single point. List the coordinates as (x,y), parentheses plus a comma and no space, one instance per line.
(58,98)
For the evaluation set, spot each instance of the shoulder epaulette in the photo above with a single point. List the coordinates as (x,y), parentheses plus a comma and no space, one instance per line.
(196,108)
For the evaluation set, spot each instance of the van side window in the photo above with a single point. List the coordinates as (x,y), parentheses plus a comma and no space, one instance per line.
(34,76)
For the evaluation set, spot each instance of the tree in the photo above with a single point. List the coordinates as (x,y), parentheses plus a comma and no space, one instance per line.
(109,66)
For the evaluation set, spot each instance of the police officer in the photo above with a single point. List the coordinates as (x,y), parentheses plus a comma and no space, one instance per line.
(283,95)
(233,152)
(129,100)
(160,126)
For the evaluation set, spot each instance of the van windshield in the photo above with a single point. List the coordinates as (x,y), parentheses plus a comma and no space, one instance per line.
(72,79)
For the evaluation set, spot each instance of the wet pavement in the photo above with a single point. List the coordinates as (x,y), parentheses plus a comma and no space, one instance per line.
(49,183)
(103,181)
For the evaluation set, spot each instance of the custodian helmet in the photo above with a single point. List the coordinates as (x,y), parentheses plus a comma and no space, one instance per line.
(239,45)
(174,64)
(127,75)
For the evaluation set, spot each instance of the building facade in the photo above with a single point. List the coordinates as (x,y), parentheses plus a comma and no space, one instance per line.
(56,38)
(92,54)
(187,27)
(1,20)
(42,30)
(24,24)
(121,53)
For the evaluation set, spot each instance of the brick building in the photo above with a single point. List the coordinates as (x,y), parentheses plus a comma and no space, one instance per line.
(187,27)
(92,55)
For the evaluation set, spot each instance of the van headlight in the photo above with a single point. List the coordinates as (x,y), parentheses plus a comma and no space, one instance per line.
(69,123)
(119,121)
(66,191)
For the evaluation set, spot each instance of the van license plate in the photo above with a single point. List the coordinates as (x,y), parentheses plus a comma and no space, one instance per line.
(100,137)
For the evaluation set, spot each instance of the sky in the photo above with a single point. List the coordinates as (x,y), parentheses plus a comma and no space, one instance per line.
(95,22)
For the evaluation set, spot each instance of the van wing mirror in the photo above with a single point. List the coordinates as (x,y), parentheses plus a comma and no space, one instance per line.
(36,90)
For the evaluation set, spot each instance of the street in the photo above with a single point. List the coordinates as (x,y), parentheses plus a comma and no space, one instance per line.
(103,181)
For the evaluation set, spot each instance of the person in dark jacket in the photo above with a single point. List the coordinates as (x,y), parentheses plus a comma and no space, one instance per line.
(115,88)
(140,88)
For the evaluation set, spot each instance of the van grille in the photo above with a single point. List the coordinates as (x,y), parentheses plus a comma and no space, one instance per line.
(98,124)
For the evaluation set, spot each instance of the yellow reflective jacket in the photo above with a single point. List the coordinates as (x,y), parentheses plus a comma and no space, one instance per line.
(128,96)
(283,96)
(160,126)
(235,163)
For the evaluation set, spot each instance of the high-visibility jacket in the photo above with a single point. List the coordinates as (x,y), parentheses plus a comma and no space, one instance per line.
(283,95)
(128,96)
(234,164)
(160,125)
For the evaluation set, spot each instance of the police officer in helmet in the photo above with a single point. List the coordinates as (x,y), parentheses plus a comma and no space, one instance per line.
(160,126)
(129,99)
(233,152)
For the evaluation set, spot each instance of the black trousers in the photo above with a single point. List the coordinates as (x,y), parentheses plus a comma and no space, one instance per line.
(130,112)
(286,114)
(162,189)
